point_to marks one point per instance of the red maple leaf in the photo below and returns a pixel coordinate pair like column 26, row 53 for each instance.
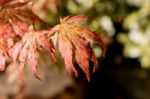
column 16, row 20
column 26, row 50
column 73, row 41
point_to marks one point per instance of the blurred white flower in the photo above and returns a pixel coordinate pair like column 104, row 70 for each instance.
column 138, row 37
column 85, row 3
column 107, row 25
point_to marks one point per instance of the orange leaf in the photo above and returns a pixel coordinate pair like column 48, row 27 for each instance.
column 72, row 35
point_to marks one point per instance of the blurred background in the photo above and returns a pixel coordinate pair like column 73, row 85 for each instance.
column 124, row 26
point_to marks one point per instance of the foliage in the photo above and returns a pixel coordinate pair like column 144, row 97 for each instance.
column 21, row 40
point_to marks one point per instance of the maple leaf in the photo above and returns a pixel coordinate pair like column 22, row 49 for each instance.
column 73, row 40
column 17, row 22
column 26, row 50
column 19, row 17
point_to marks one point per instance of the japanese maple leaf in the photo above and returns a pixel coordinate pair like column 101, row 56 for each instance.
column 26, row 50
column 17, row 14
column 17, row 21
column 73, row 40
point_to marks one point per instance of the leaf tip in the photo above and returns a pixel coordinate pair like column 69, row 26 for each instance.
column 37, row 76
column 88, row 78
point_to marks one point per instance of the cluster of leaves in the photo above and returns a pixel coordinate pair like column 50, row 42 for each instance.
column 21, row 41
